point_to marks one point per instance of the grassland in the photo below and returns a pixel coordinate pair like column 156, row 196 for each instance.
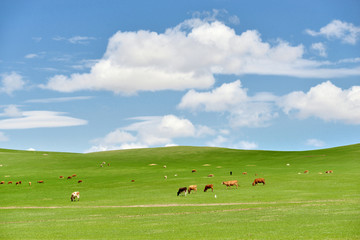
column 289, row 206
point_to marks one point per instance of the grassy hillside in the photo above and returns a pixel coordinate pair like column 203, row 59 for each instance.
column 292, row 205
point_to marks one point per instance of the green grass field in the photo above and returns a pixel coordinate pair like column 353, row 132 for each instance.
column 111, row 206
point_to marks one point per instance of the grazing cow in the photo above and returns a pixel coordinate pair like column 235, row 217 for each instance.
column 306, row 171
column 208, row 187
column 69, row 177
column 10, row 182
column 2, row 182
column 61, row 177
column 80, row 181
column 211, row 175
column 194, row 170
column 29, row 183
column 165, row 177
column 41, row 181
column 133, row 180
column 192, row 187
column 75, row 195
column 244, row 173
column 230, row 173
column 74, row 175
column 329, row 171
column 182, row 190
column 258, row 180
column 19, row 182
column 231, row 183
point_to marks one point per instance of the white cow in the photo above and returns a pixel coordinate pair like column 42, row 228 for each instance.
column 75, row 195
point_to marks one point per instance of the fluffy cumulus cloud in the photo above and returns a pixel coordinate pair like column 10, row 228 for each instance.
column 186, row 57
column 150, row 132
column 11, row 82
column 325, row 101
column 320, row 48
column 233, row 99
column 16, row 119
column 346, row 32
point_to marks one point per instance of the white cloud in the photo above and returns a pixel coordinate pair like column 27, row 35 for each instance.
column 315, row 142
column 62, row 99
column 150, row 132
column 40, row 119
column 346, row 32
column 3, row 137
column 233, row 99
column 31, row 55
column 221, row 141
column 11, row 82
column 320, row 48
column 187, row 57
column 11, row 111
column 247, row 145
column 325, row 101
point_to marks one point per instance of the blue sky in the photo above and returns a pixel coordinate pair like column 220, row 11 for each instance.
column 84, row 76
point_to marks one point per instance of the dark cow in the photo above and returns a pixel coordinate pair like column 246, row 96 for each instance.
column 80, row 181
column 41, row 181
column 208, row 187
column 2, row 182
column 69, row 177
column 182, row 190
column 329, row 171
column 258, row 180
column 194, row 170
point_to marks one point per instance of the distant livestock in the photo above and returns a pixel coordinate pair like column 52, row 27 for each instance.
column 231, row 183
column 10, row 182
column 258, row 180
column 192, row 188
column 41, row 181
column 244, row 173
column 133, row 180
column 164, row 166
column 29, row 183
column 80, row 181
column 211, row 175
column 306, row 171
column 19, row 182
column 2, row 182
column 182, row 190
column 74, row 175
column 329, row 171
column 61, row 177
column 75, row 195
column 208, row 187
column 194, row 170
column 165, row 177
column 69, row 177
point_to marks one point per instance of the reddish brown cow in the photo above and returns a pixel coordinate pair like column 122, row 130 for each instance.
column 2, row 182
column 231, row 183
column 192, row 187
column 329, row 171
column 61, row 177
column 194, row 170
column 41, row 181
column 74, row 175
column 208, row 187
column 244, row 173
column 69, row 177
column 19, row 182
column 80, row 181
column 306, row 171
column 10, row 182
column 258, row 180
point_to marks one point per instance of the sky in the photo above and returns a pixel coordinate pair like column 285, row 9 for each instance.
column 86, row 76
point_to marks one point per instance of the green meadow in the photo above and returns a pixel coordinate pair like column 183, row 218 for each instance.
column 292, row 204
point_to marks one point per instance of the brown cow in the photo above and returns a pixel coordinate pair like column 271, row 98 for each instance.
column 75, row 195
column 194, row 170
column 69, row 177
column 182, row 190
column 29, row 183
column 2, row 182
column 74, row 175
column 258, row 180
column 306, row 171
column 41, row 181
column 244, row 173
column 192, row 187
column 329, row 171
column 10, row 182
column 80, row 181
column 19, row 182
column 211, row 175
column 231, row 183
column 208, row 187
column 61, row 177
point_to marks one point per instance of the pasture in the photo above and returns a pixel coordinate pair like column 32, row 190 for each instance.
column 292, row 204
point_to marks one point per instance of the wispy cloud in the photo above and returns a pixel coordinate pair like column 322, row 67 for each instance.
column 320, row 48
column 346, row 32
column 62, row 99
column 315, row 142
column 75, row 39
